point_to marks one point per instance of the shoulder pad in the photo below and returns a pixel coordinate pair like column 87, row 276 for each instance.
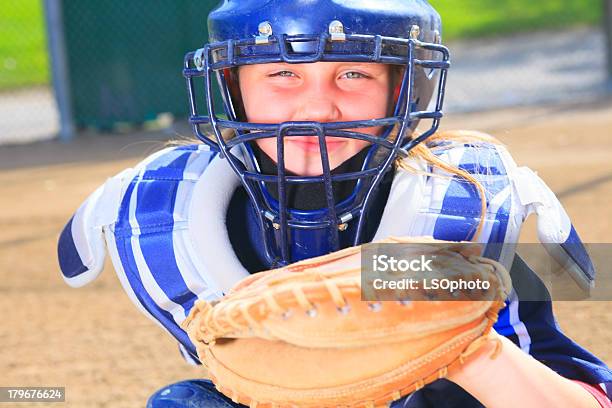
column 81, row 245
column 451, row 207
column 480, row 158
column 555, row 230
column 490, row 163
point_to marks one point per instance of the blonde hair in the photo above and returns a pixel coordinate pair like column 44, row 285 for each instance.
column 424, row 152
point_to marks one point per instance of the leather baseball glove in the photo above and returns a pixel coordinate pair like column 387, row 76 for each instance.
column 302, row 336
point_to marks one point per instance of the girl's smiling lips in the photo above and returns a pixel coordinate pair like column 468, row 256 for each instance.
column 311, row 143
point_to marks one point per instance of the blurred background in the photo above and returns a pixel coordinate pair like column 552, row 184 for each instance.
column 89, row 88
column 69, row 66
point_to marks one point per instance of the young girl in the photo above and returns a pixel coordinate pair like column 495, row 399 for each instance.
column 318, row 150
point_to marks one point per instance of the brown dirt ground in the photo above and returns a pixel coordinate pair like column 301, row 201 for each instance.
column 94, row 342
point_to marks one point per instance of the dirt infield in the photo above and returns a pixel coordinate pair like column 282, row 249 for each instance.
column 94, row 342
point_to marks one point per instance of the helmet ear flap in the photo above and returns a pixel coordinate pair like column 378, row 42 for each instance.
column 227, row 73
column 397, row 75
column 396, row 93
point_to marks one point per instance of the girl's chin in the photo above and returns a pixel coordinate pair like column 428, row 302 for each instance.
column 313, row 167
column 309, row 172
column 303, row 157
column 308, row 169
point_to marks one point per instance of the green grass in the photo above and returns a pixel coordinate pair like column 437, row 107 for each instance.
column 23, row 49
column 476, row 18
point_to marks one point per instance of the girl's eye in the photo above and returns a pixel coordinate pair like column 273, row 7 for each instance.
column 354, row 75
column 283, row 74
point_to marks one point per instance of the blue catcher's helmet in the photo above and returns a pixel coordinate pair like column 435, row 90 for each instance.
column 400, row 32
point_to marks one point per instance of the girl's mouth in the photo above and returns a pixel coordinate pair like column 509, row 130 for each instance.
column 310, row 144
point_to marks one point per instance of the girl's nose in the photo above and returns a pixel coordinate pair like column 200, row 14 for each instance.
column 318, row 104
column 318, row 110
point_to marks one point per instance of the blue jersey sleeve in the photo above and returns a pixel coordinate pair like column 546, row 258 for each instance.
column 532, row 326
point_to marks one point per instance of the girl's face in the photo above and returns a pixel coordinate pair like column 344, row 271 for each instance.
column 321, row 92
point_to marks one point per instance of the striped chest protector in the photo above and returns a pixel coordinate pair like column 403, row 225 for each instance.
column 163, row 224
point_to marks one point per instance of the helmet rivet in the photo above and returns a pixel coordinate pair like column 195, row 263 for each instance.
column 415, row 31
column 265, row 28
column 198, row 59
column 336, row 31
column 265, row 31
column 437, row 37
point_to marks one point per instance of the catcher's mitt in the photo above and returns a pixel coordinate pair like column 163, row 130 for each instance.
column 302, row 336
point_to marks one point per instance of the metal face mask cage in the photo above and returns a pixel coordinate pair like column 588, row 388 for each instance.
column 275, row 218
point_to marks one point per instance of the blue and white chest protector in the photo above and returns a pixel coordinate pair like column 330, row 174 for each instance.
column 163, row 224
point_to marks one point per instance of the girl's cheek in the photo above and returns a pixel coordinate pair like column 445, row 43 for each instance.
column 370, row 110
column 271, row 106
column 364, row 106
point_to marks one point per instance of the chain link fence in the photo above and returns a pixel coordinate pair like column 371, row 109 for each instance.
column 115, row 64
column 27, row 107
column 563, row 66
column 124, row 65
